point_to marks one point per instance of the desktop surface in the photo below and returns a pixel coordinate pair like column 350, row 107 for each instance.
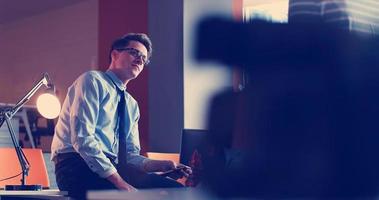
column 42, row 194
column 148, row 194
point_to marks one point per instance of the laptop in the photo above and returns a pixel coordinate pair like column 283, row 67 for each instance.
column 192, row 139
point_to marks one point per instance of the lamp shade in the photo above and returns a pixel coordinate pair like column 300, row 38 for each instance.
column 48, row 105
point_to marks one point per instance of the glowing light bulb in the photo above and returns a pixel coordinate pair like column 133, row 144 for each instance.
column 48, row 105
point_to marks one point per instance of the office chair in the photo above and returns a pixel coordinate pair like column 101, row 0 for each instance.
column 10, row 166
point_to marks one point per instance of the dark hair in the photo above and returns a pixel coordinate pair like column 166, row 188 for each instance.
column 124, row 41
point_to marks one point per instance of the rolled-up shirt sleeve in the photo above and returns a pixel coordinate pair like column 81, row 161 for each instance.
column 83, row 119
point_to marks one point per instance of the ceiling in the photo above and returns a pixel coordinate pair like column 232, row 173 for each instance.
column 13, row 10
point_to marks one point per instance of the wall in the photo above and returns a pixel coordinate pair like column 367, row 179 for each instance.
column 116, row 18
column 201, row 80
column 60, row 42
column 179, row 87
column 259, row 2
column 166, row 75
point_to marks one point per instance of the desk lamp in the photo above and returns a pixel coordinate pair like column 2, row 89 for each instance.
column 48, row 106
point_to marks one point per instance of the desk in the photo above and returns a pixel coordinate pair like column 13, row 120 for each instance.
column 43, row 194
column 149, row 194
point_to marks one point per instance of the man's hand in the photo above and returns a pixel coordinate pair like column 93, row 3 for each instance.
column 159, row 165
column 117, row 180
column 179, row 172
column 168, row 168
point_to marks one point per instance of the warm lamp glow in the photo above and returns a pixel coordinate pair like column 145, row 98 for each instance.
column 48, row 105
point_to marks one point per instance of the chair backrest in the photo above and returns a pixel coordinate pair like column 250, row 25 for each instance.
column 10, row 166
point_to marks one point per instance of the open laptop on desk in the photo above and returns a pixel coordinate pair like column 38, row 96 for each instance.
column 192, row 139
column 190, row 153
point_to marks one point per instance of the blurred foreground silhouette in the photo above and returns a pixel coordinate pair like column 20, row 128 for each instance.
column 306, row 124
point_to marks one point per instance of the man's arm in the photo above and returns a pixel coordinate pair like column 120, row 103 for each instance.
column 120, row 183
column 84, row 113
column 168, row 167
column 143, row 163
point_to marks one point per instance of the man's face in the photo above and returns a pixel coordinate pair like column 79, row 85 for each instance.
column 130, row 60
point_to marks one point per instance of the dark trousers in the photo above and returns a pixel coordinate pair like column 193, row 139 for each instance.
column 74, row 176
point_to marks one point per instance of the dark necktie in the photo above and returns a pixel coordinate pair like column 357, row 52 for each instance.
column 121, row 130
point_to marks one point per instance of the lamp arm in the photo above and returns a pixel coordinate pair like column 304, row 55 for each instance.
column 24, row 163
column 6, row 115
column 45, row 80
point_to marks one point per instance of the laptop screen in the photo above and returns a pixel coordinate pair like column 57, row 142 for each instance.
column 192, row 139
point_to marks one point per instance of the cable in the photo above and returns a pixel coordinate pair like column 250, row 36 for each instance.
column 11, row 177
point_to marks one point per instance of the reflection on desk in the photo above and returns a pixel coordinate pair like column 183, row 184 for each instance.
column 148, row 194
column 43, row 194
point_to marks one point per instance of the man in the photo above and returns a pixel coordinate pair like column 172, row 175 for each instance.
column 86, row 145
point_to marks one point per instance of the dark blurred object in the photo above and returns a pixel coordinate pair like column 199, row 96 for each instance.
column 309, row 116
column 225, row 155
column 260, row 44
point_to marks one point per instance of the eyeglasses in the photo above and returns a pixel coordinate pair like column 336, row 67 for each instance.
column 136, row 54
